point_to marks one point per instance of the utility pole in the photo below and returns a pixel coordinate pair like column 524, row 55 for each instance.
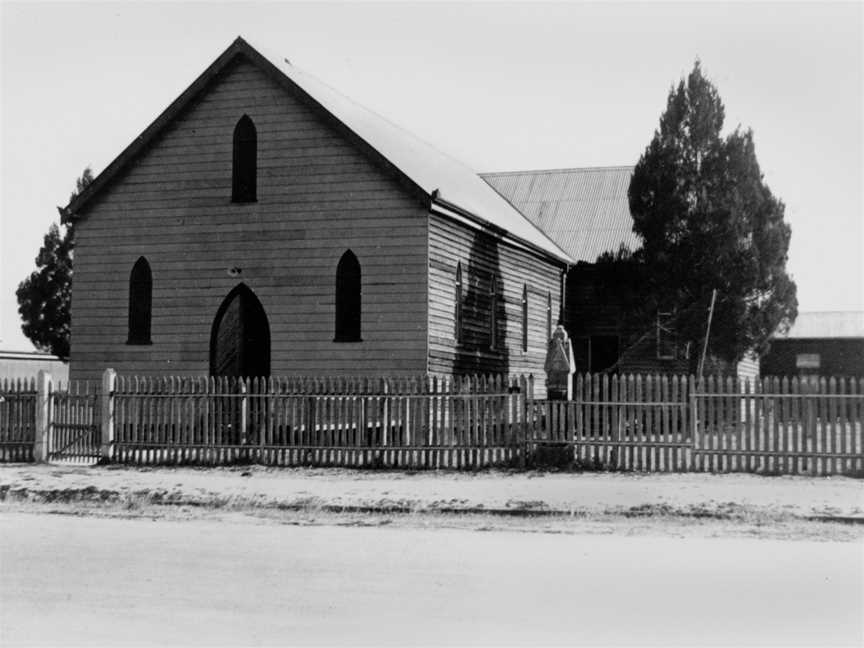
column 707, row 332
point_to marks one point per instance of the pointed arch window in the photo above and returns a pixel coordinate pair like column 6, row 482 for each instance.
column 458, row 299
column 524, row 317
column 245, row 174
column 493, row 312
column 348, row 299
column 140, row 302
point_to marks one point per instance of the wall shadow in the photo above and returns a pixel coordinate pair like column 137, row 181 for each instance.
column 483, row 350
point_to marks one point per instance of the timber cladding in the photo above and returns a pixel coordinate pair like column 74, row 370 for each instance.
column 317, row 196
column 481, row 256
column 839, row 356
column 595, row 319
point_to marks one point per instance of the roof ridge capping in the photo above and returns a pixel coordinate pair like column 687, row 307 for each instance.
column 422, row 167
column 615, row 167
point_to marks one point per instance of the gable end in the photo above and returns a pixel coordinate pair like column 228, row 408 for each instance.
column 239, row 49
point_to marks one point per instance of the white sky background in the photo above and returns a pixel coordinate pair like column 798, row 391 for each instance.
column 499, row 86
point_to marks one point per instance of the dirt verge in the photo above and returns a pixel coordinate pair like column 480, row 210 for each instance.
column 559, row 499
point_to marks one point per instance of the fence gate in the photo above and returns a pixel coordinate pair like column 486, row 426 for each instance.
column 74, row 432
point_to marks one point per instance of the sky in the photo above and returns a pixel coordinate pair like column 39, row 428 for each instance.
column 500, row 86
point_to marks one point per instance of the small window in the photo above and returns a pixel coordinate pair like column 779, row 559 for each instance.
column 458, row 299
column 348, row 299
column 665, row 337
column 245, row 173
column 493, row 312
column 549, row 315
column 524, row 317
column 140, row 302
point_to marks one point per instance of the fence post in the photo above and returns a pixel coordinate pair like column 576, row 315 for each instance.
column 109, row 384
column 695, row 459
column 244, row 410
column 40, row 435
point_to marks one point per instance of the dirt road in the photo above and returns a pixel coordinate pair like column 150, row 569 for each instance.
column 83, row 580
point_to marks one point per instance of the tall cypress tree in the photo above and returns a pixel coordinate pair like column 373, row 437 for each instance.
column 44, row 297
column 708, row 221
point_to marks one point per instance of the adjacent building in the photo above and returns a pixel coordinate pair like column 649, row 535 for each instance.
column 27, row 364
column 821, row 344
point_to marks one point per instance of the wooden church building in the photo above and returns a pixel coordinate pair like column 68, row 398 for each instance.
column 264, row 224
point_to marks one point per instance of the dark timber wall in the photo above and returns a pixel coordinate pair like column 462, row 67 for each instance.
column 837, row 357
column 317, row 196
column 594, row 316
column 595, row 322
column 481, row 255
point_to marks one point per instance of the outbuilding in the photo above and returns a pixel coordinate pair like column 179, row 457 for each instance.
column 825, row 344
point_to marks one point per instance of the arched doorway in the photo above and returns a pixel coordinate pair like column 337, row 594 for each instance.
column 240, row 338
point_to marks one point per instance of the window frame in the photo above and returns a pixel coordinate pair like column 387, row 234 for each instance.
column 670, row 341
column 493, row 312
column 244, row 172
column 459, row 314
column 524, row 317
column 140, row 307
column 348, row 310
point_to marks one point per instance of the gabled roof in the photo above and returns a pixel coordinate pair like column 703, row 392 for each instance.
column 442, row 181
column 585, row 211
column 826, row 324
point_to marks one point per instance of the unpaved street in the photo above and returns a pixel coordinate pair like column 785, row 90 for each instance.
column 84, row 580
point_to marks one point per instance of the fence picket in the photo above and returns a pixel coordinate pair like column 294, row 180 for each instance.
column 856, row 440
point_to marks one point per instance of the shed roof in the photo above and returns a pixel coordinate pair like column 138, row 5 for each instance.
column 585, row 211
column 442, row 179
column 826, row 324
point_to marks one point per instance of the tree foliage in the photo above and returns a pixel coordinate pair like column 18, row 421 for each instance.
column 707, row 221
column 44, row 297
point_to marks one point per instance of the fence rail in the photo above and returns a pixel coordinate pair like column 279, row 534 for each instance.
column 632, row 422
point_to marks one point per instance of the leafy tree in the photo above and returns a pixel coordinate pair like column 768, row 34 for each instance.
column 708, row 221
column 45, row 296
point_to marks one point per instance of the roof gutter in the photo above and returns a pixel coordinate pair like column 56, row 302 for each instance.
column 454, row 212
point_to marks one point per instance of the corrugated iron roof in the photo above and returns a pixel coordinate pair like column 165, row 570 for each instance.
column 827, row 324
column 585, row 211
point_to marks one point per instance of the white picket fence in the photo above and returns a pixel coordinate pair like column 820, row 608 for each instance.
column 635, row 422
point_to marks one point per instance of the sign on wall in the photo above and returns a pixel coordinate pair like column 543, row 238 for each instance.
column 807, row 361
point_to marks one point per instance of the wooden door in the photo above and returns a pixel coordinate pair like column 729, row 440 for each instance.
column 240, row 339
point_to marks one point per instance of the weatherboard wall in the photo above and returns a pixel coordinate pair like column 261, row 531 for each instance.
column 318, row 196
column 481, row 255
